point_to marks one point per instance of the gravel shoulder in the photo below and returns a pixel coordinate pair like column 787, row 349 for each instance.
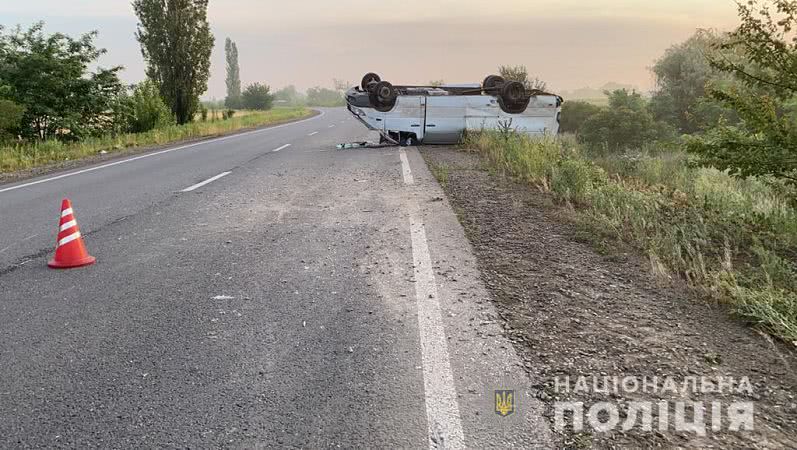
column 576, row 312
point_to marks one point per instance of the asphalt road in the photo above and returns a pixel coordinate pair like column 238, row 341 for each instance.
column 309, row 297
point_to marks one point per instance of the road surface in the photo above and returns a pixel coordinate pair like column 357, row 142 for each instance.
column 257, row 290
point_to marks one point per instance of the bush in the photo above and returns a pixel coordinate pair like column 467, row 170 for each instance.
column 257, row 96
column 625, row 124
column 575, row 114
column 10, row 118
column 147, row 109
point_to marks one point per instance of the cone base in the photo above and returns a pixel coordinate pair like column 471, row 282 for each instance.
column 87, row 261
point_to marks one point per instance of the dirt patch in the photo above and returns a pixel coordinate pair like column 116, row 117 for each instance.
column 114, row 154
column 575, row 312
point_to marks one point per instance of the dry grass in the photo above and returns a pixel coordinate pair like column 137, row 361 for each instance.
column 735, row 239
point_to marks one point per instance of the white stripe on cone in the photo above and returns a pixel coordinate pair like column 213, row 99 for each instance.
column 66, row 212
column 68, row 225
column 68, row 239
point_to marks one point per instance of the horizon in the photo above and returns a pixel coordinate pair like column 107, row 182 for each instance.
column 309, row 45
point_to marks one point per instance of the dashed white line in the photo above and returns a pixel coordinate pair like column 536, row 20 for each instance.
column 313, row 133
column 209, row 180
column 149, row 155
column 442, row 409
column 332, row 126
column 405, row 166
column 281, row 148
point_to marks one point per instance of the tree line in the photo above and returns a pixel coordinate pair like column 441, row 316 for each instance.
column 730, row 98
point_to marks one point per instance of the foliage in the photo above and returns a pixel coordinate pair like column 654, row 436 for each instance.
column 681, row 78
column 318, row 96
column 147, row 109
column 574, row 114
column 765, row 142
column 257, row 96
column 521, row 74
column 289, row 96
column 10, row 118
column 26, row 155
column 625, row 124
column 176, row 43
column 233, row 99
column 734, row 239
column 48, row 76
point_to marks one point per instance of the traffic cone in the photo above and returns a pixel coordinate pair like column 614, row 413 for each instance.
column 69, row 250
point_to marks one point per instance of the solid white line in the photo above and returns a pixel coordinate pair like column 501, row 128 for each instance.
column 68, row 225
column 281, row 148
column 405, row 166
column 66, row 212
column 149, row 155
column 442, row 409
column 69, row 238
column 313, row 133
column 209, row 180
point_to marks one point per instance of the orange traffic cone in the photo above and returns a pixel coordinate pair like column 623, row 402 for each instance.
column 69, row 250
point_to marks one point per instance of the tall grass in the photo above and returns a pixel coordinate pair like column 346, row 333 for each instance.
column 15, row 157
column 735, row 239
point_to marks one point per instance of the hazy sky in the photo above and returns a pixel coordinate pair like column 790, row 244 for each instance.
column 568, row 43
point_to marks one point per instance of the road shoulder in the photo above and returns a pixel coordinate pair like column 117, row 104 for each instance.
column 573, row 312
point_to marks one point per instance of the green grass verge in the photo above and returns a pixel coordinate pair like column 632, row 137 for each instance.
column 735, row 239
column 23, row 156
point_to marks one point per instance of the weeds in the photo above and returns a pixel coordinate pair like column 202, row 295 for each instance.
column 17, row 157
column 735, row 239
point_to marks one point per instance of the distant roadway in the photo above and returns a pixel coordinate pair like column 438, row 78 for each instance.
column 258, row 290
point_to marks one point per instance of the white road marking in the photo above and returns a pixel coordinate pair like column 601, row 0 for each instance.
column 313, row 133
column 281, row 148
column 442, row 409
column 161, row 152
column 209, row 180
column 405, row 166
column 332, row 126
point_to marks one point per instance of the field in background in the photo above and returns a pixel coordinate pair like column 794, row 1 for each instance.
column 733, row 239
column 29, row 155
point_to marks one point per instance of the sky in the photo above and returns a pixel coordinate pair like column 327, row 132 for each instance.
column 568, row 43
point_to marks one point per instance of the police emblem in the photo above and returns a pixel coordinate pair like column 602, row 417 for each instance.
column 504, row 402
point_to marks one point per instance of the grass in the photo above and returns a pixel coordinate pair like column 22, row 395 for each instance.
column 23, row 156
column 734, row 239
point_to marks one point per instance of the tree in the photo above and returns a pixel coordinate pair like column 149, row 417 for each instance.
column 625, row 124
column 521, row 74
column 682, row 74
column 233, row 99
column 176, row 44
column 319, row 96
column 765, row 140
column 48, row 76
column 341, row 85
column 257, row 96
column 574, row 114
column 289, row 95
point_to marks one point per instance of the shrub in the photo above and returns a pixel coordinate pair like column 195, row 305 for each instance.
column 574, row 114
column 147, row 109
column 625, row 124
column 257, row 96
